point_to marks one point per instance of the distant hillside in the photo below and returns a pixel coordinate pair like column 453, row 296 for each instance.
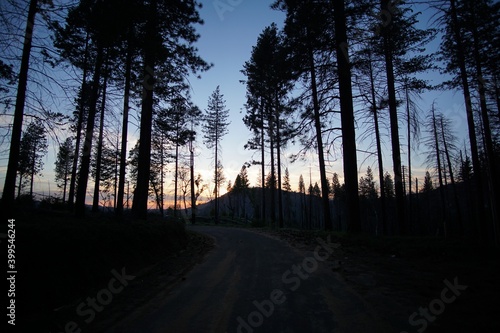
column 424, row 211
column 247, row 206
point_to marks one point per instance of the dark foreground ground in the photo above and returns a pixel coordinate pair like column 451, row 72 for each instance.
column 157, row 278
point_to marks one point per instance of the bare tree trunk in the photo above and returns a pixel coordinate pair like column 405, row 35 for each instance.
column 140, row 201
column 309, row 222
column 32, row 172
column 95, row 203
column 115, row 185
column 440, row 174
column 393, row 114
column 191, row 171
column 347, row 120
column 319, row 140
column 497, row 95
column 9, row 188
column 278, row 155
column 162, row 172
column 79, row 126
column 123, row 150
column 490, row 152
column 452, row 179
column 379, row 148
column 273, row 171
column 263, row 166
column 216, row 176
column 410, row 215
column 482, row 227
column 176, row 177
column 66, row 173
column 87, row 145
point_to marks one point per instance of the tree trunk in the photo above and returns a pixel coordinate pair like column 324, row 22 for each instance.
column 176, row 178
column 452, row 179
column 216, row 176
column 97, row 184
column 497, row 95
column 440, row 174
column 482, row 226
column 115, row 185
column 309, row 222
column 79, row 126
column 319, row 140
column 410, row 215
column 66, row 173
column 17, row 126
column 273, row 170
column 87, row 145
column 162, row 173
column 347, row 121
column 379, row 150
column 490, row 152
column 263, row 166
column 123, row 150
column 140, row 201
column 191, row 171
column 32, row 171
column 393, row 114
column 278, row 155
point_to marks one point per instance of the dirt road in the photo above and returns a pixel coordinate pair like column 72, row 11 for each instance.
column 253, row 283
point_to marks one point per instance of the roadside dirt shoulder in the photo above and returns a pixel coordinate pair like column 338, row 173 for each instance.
column 402, row 284
column 150, row 285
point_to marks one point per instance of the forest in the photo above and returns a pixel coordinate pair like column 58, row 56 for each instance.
column 334, row 74
column 134, row 237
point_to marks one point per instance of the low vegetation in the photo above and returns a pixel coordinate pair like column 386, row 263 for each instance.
column 63, row 260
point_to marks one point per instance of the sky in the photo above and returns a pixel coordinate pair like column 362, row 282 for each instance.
column 231, row 28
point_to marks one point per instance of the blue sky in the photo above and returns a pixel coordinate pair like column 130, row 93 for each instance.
column 231, row 29
column 226, row 40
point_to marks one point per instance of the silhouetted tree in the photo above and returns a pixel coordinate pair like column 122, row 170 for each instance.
column 107, row 174
column 308, row 27
column 465, row 168
column 302, row 191
column 17, row 125
column 434, row 158
column 168, row 57
column 367, row 185
column 388, row 186
column 268, row 83
column 214, row 129
column 401, row 43
column 175, row 124
column 428, row 186
column 33, row 148
column 469, row 49
column 100, row 140
column 63, row 163
column 240, row 189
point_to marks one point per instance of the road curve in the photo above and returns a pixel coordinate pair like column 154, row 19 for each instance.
column 253, row 283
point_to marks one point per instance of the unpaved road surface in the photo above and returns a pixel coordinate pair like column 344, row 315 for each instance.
column 250, row 282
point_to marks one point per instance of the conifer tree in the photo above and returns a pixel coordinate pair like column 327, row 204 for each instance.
column 214, row 129
column 64, row 162
column 32, row 150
